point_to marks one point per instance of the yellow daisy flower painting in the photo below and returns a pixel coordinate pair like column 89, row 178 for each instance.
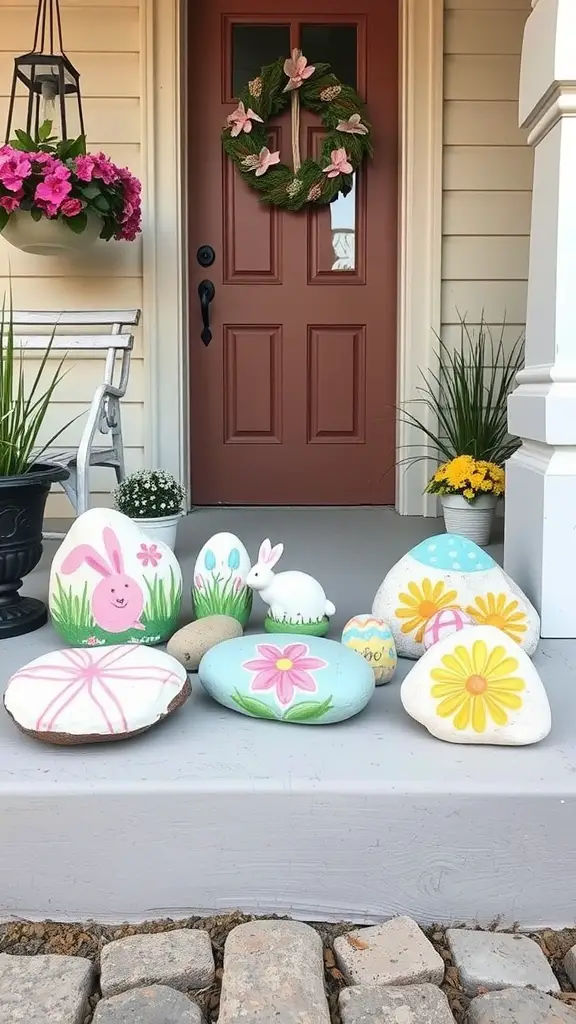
column 477, row 685
column 422, row 602
column 497, row 610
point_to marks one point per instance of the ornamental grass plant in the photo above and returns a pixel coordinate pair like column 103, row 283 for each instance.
column 467, row 398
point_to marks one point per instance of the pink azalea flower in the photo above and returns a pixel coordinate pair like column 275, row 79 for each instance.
column 104, row 169
column 297, row 70
column 11, row 203
column 240, row 120
column 14, row 168
column 71, row 207
column 84, row 167
column 353, row 126
column 260, row 164
column 284, row 670
column 149, row 555
column 340, row 164
column 53, row 190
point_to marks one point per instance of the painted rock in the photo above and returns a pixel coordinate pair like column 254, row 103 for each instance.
column 110, row 585
column 449, row 571
column 190, row 644
column 89, row 695
column 478, row 686
column 220, row 572
column 443, row 624
column 373, row 639
column 308, row 680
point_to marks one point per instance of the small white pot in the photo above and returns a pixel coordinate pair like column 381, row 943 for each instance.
column 49, row 237
column 163, row 529
column 471, row 519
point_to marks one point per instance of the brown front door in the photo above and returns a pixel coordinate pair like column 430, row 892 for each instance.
column 292, row 402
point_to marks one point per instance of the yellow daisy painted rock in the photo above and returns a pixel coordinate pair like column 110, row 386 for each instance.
column 478, row 686
column 448, row 572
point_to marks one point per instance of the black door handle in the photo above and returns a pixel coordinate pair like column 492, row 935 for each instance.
column 206, row 291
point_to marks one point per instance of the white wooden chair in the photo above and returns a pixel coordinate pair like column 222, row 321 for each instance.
column 104, row 416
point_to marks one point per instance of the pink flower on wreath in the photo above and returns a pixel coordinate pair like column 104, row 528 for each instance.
column 72, row 207
column 14, row 168
column 353, row 126
column 240, row 120
column 284, row 670
column 53, row 190
column 149, row 555
column 260, row 164
column 340, row 164
column 298, row 70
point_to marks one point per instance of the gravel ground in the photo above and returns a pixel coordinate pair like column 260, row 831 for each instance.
column 87, row 940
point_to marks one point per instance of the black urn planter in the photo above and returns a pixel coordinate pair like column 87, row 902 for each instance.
column 22, row 504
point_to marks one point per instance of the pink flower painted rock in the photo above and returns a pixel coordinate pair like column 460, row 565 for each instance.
column 443, row 624
column 88, row 696
column 110, row 585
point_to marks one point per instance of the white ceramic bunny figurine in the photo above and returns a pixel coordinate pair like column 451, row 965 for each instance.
column 294, row 598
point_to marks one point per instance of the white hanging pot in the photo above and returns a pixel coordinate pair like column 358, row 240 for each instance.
column 470, row 519
column 49, row 236
column 163, row 529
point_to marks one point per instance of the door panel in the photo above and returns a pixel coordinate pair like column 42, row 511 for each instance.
column 293, row 400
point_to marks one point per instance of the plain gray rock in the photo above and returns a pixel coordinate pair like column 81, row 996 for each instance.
column 519, row 1006
column 570, row 965
column 155, row 1004
column 495, row 960
column 409, row 1004
column 44, row 989
column 182, row 959
column 273, row 971
column 192, row 642
column 395, row 953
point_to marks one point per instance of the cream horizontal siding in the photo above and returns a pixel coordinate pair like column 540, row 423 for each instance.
column 103, row 41
column 487, row 167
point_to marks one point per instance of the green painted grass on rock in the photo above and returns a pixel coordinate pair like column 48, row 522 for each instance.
column 72, row 615
column 219, row 596
column 312, row 627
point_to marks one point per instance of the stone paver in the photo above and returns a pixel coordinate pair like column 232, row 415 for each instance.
column 44, row 989
column 519, row 1006
column 395, row 953
column 181, row 959
column 493, row 960
column 155, row 1004
column 408, row 1004
column 570, row 965
column 273, row 971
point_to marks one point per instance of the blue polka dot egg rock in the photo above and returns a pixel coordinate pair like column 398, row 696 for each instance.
column 374, row 640
column 450, row 571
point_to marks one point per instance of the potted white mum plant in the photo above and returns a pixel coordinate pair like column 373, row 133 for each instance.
column 155, row 501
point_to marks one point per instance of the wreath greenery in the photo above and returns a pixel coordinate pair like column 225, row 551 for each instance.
column 348, row 134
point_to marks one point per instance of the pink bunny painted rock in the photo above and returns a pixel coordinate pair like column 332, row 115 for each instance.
column 109, row 584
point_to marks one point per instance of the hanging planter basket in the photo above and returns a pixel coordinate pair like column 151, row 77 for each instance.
column 49, row 236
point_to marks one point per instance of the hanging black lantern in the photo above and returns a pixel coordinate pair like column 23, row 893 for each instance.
column 49, row 77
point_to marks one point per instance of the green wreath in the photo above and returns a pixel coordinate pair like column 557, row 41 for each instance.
column 347, row 142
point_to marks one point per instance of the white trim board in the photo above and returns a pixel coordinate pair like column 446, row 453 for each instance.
column 165, row 251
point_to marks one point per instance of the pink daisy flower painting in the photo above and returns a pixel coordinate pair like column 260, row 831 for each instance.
column 284, row 670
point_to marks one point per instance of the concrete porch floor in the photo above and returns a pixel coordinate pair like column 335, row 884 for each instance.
column 213, row 811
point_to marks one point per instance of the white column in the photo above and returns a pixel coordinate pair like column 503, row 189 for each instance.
column 540, row 536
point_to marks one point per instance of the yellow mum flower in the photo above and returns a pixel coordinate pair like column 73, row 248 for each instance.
column 421, row 603
column 469, row 493
column 497, row 610
column 477, row 685
column 486, row 485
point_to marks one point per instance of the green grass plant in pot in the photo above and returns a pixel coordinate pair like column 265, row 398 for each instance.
column 466, row 427
column 25, row 479
column 155, row 501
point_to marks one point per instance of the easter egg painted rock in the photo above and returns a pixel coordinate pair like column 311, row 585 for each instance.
column 449, row 571
column 308, row 680
column 109, row 584
column 373, row 639
column 478, row 686
column 443, row 624
column 220, row 572
column 90, row 695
